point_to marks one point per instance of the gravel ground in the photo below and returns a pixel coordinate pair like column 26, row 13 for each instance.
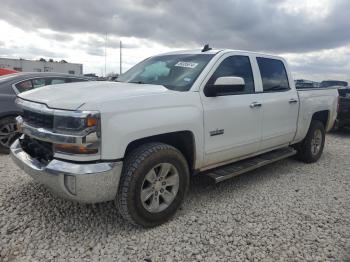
column 287, row 211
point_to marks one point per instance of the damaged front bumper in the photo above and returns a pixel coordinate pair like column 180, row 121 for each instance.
column 81, row 182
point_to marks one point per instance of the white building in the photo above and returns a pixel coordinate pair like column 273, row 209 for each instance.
column 23, row 65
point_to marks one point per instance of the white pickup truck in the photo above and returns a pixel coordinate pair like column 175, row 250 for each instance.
column 137, row 141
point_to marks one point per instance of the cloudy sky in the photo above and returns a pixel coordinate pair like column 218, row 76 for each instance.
column 313, row 35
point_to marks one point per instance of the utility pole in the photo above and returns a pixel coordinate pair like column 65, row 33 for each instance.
column 120, row 58
column 106, row 56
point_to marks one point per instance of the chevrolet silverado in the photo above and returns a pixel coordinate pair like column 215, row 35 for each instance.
column 138, row 141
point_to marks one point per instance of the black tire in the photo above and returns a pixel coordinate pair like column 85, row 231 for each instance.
column 136, row 165
column 306, row 149
column 6, row 124
column 337, row 126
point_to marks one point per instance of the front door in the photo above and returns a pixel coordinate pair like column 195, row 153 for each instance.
column 232, row 122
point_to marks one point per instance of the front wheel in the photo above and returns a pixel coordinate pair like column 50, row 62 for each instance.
column 153, row 184
column 311, row 148
column 8, row 133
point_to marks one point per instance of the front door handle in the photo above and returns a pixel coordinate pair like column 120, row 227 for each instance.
column 293, row 101
column 255, row 104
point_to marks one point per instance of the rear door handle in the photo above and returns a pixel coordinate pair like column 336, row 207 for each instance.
column 255, row 104
column 293, row 101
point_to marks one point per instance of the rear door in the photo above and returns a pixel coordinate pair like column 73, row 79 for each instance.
column 279, row 104
column 232, row 125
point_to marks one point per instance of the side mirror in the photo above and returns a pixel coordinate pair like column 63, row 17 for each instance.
column 225, row 85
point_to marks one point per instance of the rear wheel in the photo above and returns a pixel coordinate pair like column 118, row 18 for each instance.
column 311, row 148
column 153, row 184
column 8, row 133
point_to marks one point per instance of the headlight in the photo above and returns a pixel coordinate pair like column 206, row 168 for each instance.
column 77, row 122
column 86, row 124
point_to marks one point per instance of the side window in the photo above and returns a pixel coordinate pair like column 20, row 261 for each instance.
column 273, row 74
column 55, row 81
column 236, row 66
column 24, row 86
column 38, row 82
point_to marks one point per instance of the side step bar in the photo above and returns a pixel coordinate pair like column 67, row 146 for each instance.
column 228, row 171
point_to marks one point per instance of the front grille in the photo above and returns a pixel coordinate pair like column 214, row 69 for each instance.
column 37, row 149
column 38, row 119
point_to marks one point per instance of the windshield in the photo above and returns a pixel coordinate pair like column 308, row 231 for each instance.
column 175, row 72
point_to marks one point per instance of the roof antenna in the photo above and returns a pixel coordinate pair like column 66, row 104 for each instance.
column 206, row 48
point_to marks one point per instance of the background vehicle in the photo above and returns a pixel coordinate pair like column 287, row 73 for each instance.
column 330, row 83
column 137, row 141
column 13, row 84
column 343, row 117
column 5, row 71
column 304, row 85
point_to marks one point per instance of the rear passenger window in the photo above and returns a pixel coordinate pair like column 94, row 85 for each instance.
column 24, row 86
column 236, row 66
column 38, row 82
column 73, row 80
column 273, row 74
column 56, row 81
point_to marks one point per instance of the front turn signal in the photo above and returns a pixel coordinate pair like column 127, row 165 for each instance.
column 74, row 149
column 91, row 121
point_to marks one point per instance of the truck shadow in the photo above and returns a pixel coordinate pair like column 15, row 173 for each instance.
column 344, row 132
column 202, row 186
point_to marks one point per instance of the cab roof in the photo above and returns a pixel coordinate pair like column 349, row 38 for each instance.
column 222, row 51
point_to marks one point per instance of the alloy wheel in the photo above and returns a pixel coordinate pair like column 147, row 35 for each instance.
column 316, row 142
column 8, row 134
column 160, row 187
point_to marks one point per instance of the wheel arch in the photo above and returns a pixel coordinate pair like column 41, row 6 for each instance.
column 322, row 116
column 184, row 141
column 9, row 114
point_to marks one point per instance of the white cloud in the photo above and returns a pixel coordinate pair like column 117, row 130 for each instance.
column 312, row 9
column 32, row 45
column 321, row 65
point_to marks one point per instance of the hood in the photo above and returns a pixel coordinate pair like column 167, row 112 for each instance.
column 74, row 95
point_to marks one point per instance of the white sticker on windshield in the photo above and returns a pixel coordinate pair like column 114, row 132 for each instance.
column 186, row 64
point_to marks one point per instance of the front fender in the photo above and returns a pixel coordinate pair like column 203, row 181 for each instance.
column 119, row 130
column 8, row 106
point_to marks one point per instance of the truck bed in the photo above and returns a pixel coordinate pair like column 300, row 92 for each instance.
column 315, row 100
